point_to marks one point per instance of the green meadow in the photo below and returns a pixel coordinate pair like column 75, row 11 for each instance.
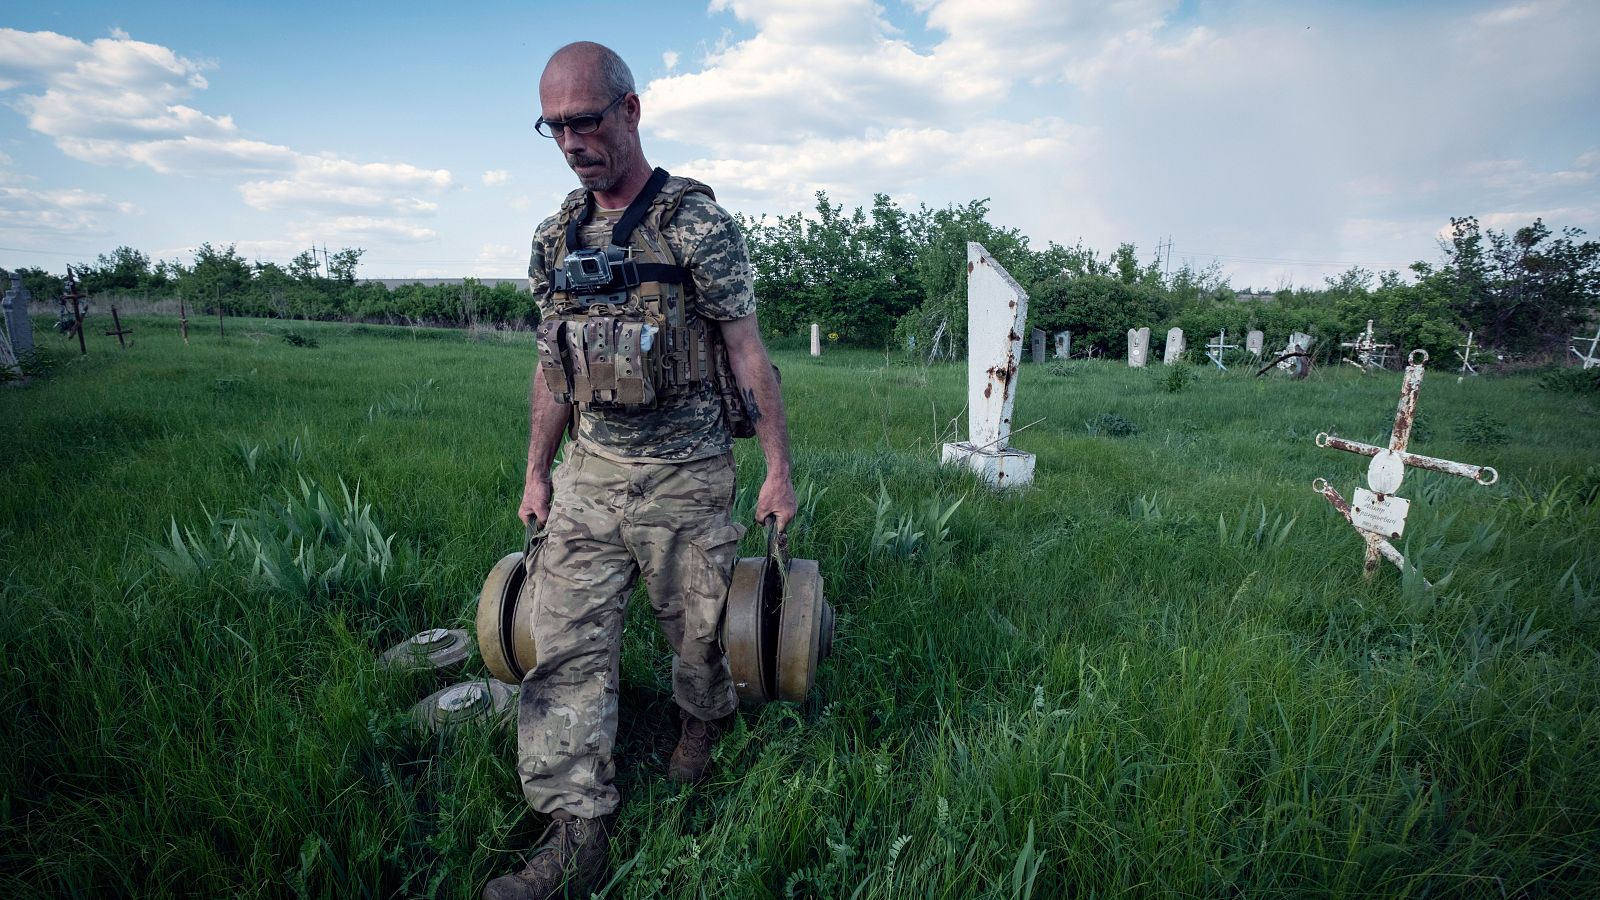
column 1156, row 672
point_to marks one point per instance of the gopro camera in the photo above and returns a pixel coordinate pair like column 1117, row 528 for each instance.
column 590, row 271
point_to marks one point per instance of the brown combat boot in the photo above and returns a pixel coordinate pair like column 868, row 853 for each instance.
column 692, row 757
column 569, row 862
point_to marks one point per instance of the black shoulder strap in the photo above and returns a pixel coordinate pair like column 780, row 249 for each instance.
column 634, row 214
column 575, row 224
column 631, row 217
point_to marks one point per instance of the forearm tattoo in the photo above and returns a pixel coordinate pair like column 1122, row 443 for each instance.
column 751, row 407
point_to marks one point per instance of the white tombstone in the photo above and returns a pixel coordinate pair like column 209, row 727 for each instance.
column 1063, row 344
column 1299, row 342
column 1138, row 347
column 816, row 339
column 17, row 324
column 997, row 307
column 1038, row 345
column 1175, row 346
column 1254, row 341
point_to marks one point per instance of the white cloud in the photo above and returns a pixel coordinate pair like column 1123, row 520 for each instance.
column 1513, row 12
column 669, row 60
column 117, row 101
column 499, row 258
column 784, row 175
column 353, row 230
column 496, row 177
column 71, row 211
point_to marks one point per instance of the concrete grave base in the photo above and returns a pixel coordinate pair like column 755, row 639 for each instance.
column 999, row 469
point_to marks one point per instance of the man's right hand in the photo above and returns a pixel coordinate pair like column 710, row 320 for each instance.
column 536, row 500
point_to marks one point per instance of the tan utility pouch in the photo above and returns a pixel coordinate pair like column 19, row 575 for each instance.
column 602, row 360
column 554, row 358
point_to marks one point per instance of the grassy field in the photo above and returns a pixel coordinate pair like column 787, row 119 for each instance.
column 1156, row 672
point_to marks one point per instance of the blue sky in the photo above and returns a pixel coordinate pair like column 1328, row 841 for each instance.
column 1283, row 141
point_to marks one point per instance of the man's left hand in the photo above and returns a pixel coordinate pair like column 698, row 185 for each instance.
column 776, row 499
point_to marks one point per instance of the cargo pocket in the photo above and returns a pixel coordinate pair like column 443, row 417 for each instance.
column 706, row 586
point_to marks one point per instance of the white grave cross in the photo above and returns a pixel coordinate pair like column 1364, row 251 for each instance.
column 1219, row 346
column 1368, row 355
column 1590, row 359
column 1467, row 368
column 1377, row 514
column 997, row 307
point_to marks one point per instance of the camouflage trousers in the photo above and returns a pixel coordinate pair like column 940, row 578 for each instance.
column 610, row 523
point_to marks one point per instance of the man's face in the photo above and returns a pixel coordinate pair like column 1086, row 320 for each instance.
column 597, row 158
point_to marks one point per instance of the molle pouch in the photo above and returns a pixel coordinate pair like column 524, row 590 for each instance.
column 635, row 384
column 575, row 333
column 554, row 359
column 599, row 341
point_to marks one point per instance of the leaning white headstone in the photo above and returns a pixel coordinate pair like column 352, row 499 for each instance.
column 816, row 339
column 997, row 307
column 1175, row 346
column 1254, row 341
column 1038, row 345
column 1063, row 344
column 16, row 322
column 1138, row 347
column 1299, row 366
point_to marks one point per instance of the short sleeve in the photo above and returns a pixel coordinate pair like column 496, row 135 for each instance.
column 716, row 258
column 539, row 266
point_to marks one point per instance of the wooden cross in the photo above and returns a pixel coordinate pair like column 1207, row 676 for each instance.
column 1378, row 515
column 1467, row 368
column 1217, row 347
column 120, row 330
column 1590, row 359
column 71, row 293
column 1366, row 346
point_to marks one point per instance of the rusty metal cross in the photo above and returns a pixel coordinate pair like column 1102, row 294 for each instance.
column 1378, row 515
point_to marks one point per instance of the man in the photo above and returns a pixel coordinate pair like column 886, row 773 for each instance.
column 646, row 298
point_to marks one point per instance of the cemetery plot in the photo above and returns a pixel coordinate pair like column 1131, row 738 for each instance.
column 1162, row 635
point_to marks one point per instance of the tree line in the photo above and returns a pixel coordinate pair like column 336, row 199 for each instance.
column 886, row 276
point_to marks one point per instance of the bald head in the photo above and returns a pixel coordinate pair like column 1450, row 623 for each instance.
column 590, row 63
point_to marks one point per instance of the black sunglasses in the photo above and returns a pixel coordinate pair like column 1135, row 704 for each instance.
column 581, row 124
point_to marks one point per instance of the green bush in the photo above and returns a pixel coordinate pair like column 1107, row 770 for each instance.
column 1482, row 429
column 1571, row 381
column 1111, row 425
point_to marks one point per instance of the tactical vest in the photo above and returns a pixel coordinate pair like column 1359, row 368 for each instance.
column 624, row 332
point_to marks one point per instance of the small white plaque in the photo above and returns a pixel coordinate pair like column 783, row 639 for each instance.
column 1386, row 517
column 1385, row 472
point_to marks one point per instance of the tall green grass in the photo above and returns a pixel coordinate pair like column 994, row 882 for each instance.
column 1158, row 671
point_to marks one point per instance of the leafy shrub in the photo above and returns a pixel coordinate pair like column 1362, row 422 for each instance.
column 911, row 532
column 310, row 544
column 1176, row 378
column 1111, row 425
column 1481, row 429
column 1571, row 381
column 296, row 339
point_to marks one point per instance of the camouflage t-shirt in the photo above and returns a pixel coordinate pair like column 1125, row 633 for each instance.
column 704, row 238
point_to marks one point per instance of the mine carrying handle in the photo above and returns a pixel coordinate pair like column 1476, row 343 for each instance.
column 777, row 544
